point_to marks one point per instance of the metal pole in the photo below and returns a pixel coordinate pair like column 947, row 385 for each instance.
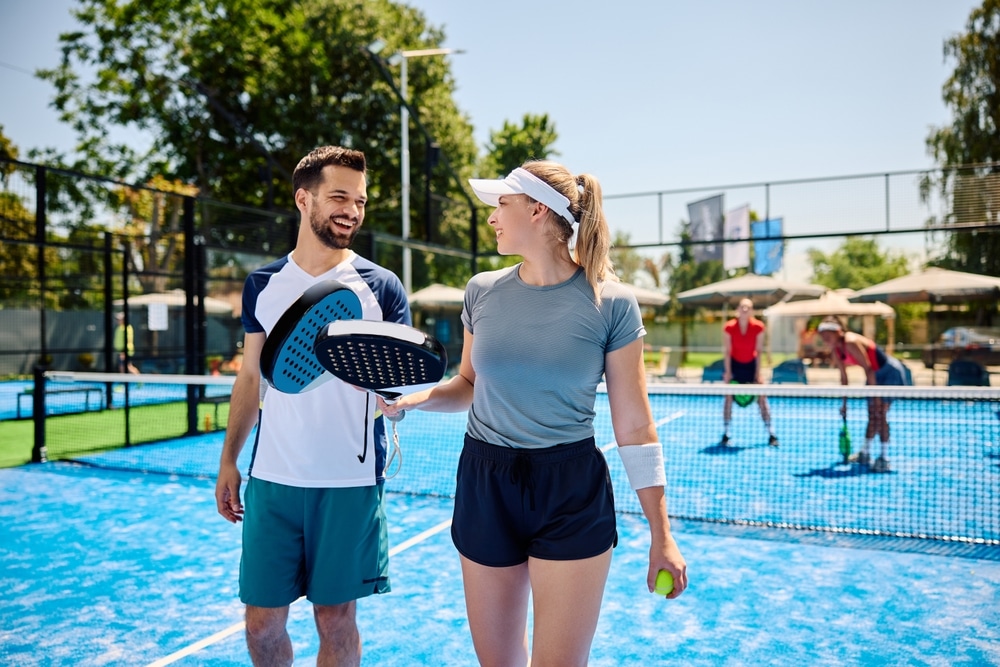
column 404, row 115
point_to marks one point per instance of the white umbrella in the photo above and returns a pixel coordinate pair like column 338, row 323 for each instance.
column 177, row 298
column 442, row 295
column 933, row 285
column 762, row 290
column 438, row 295
column 648, row 297
column 834, row 302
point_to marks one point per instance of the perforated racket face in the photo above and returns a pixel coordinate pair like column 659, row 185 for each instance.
column 291, row 365
column 381, row 363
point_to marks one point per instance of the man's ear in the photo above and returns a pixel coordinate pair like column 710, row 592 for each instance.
column 300, row 199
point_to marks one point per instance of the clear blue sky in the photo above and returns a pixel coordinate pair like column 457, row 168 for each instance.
column 652, row 94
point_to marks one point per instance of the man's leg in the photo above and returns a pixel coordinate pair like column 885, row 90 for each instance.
column 267, row 637
column 339, row 639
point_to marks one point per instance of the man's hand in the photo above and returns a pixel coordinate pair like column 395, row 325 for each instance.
column 227, row 493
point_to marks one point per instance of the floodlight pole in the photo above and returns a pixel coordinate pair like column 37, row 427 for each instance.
column 404, row 114
column 372, row 51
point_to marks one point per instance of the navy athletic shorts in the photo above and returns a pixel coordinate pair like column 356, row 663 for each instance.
column 744, row 372
column 554, row 503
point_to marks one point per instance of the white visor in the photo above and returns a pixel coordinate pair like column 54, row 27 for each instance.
column 828, row 326
column 522, row 182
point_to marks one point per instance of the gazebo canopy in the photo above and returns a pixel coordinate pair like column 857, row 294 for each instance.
column 176, row 298
column 762, row 290
column 438, row 295
column 834, row 302
column 933, row 285
column 444, row 296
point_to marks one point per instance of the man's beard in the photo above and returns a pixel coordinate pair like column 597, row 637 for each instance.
column 326, row 232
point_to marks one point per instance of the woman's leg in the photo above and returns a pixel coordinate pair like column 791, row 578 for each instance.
column 566, row 599
column 496, row 602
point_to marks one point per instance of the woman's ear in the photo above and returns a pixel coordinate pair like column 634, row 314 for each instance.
column 538, row 210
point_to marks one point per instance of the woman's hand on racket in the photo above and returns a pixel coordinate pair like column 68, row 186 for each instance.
column 394, row 409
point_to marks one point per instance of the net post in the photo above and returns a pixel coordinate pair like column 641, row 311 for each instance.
column 38, row 452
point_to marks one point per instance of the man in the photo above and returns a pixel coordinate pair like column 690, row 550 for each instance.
column 124, row 344
column 314, row 520
column 743, row 342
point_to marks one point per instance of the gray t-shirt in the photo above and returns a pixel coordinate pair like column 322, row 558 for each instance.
column 539, row 354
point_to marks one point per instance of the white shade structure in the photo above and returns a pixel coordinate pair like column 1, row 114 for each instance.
column 762, row 290
column 834, row 302
column 933, row 285
column 648, row 297
column 442, row 296
column 176, row 298
column 438, row 295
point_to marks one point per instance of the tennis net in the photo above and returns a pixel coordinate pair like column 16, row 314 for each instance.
column 943, row 480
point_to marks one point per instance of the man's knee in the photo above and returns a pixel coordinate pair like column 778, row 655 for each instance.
column 265, row 622
column 335, row 620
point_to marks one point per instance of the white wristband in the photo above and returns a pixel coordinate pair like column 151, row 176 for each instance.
column 643, row 465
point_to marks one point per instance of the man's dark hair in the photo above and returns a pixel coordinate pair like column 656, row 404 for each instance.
column 308, row 172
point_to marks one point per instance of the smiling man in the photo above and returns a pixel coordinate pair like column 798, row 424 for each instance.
column 314, row 519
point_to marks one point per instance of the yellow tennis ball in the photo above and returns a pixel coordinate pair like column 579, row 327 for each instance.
column 664, row 583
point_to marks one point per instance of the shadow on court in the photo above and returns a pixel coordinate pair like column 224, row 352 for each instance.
column 841, row 471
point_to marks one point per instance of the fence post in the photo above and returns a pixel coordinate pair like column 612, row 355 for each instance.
column 38, row 453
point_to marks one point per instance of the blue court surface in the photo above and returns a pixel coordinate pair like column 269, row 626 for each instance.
column 117, row 568
column 101, row 564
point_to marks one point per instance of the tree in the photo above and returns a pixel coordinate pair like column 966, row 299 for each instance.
column 856, row 264
column 859, row 263
column 229, row 94
column 685, row 273
column 16, row 224
column 972, row 93
column 509, row 148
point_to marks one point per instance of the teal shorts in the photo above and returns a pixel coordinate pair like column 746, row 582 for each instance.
column 330, row 545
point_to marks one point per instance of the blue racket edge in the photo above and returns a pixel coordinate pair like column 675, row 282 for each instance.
column 288, row 358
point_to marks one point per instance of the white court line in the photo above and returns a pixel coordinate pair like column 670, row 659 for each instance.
column 666, row 420
column 403, row 546
column 237, row 627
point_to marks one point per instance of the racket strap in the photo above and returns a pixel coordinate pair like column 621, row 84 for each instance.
column 395, row 452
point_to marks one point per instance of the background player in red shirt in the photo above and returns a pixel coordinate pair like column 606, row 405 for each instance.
column 743, row 341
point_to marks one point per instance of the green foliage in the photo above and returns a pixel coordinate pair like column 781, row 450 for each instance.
column 509, row 148
column 230, row 94
column 860, row 263
column 972, row 93
column 856, row 264
column 512, row 146
column 627, row 261
column 8, row 151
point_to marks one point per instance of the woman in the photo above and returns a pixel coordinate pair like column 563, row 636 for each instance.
column 534, row 509
column 849, row 348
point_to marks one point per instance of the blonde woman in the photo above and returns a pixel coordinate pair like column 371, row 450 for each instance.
column 534, row 508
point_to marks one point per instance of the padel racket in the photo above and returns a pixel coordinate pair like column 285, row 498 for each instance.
column 387, row 358
column 845, row 441
column 742, row 400
column 288, row 358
